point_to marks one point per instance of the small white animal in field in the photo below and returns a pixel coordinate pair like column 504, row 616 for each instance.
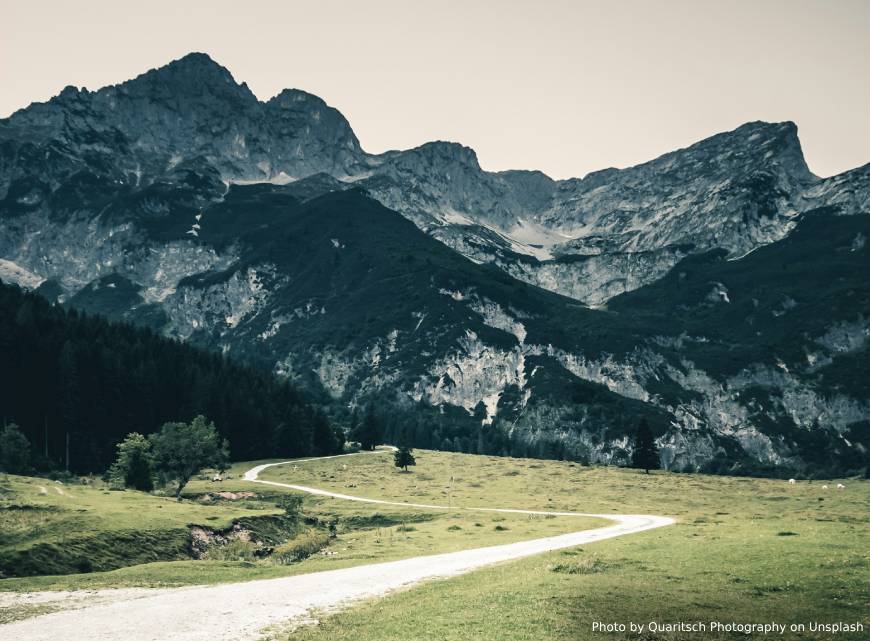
column 791, row 481
column 824, row 487
column 840, row 486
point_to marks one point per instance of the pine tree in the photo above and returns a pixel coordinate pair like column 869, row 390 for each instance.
column 368, row 433
column 404, row 457
column 646, row 454
column 325, row 437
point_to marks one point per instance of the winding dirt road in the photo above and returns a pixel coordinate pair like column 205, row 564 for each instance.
column 240, row 611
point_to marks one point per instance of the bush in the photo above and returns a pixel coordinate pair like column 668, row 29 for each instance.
column 303, row 546
column 292, row 506
column 14, row 450
column 84, row 566
column 133, row 466
column 236, row 550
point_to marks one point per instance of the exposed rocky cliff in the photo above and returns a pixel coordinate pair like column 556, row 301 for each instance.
column 731, row 281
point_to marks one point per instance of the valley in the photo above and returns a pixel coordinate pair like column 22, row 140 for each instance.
column 479, row 321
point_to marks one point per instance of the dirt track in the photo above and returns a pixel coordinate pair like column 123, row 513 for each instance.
column 239, row 611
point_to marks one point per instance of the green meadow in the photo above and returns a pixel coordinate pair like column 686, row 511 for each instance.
column 743, row 550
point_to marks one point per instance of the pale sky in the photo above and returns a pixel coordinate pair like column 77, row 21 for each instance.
column 566, row 87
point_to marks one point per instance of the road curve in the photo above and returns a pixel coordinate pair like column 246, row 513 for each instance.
column 241, row 610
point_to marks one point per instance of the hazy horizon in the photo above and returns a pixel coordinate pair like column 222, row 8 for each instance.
column 581, row 87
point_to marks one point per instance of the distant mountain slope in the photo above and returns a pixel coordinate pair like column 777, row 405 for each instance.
column 726, row 283
column 590, row 238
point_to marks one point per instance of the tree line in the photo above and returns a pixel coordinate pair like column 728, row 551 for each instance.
column 76, row 385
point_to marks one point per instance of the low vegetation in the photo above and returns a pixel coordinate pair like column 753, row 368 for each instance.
column 63, row 528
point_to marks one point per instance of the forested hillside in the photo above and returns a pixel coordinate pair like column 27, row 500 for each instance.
column 65, row 373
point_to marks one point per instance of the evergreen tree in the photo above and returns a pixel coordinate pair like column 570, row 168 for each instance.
column 368, row 432
column 14, row 450
column 180, row 450
column 133, row 467
column 326, row 439
column 646, row 454
column 404, row 457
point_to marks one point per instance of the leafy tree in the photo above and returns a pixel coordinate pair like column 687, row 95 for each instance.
column 369, row 432
column 133, row 467
column 14, row 450
column 181, row 450
column 404, row 457
column 646, row 454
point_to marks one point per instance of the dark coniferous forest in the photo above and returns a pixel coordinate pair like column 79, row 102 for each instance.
column 65, row 375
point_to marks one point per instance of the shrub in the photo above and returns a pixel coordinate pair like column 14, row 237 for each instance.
column 592, row 565
column 303, row 546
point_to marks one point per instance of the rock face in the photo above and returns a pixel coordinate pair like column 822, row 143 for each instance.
column 190, row 109
column 732, row 281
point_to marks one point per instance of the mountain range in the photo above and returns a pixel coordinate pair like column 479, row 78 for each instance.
column 719, row 291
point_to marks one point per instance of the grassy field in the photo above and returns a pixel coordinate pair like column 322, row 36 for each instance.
column 49, row 527
column 743, row 550
column 363, row 533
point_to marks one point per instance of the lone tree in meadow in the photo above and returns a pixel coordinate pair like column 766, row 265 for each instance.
column 646, row 454
column 404, row 457
column 14, row 450
column 133, row 467
column 180, row 451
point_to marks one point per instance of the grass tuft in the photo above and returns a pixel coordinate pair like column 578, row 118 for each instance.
column 592, row 565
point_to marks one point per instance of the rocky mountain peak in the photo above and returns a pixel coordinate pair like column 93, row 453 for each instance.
column 297, row 114
column 441, row 152
column 195, row 75
column 771, row 143
column 290, row 97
